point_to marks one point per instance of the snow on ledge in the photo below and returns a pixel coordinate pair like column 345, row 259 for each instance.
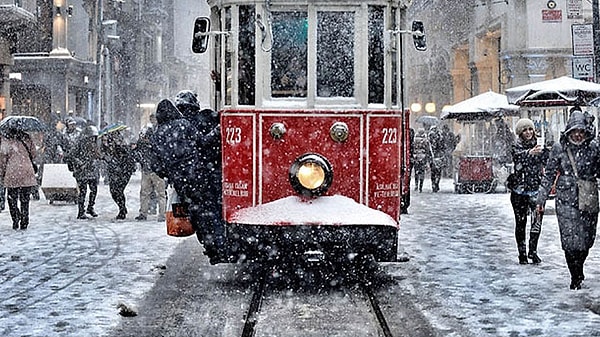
column 328, row 210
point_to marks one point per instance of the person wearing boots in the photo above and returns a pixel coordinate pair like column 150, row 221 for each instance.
column 420, row 157
column 120, row 165
column 529, row 159
column 151, row 184
column 576, row 158
column 17, row 174
column 83, row 160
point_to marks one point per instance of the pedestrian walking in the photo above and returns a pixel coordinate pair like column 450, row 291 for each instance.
column 151, row 184
column 437, row 149
column 421, row 157
column 120, row 165
column 529, row 160
column 17, row 174
column 70, row 134
column 83, row 160
column 576, row 159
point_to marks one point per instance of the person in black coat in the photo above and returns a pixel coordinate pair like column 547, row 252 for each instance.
column 529, row 159
column 83, row 160
column 120, row 165
column 180, row 158
column 576, row 158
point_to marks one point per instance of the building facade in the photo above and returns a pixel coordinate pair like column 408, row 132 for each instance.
column 479, row 45
column 101, row 60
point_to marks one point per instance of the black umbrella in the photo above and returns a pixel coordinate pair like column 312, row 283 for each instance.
column 21, row 123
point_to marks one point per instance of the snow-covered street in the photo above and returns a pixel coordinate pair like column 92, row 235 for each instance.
column 65, row 277
column 465, row 270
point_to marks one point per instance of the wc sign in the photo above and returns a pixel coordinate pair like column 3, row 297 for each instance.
column 583, row 68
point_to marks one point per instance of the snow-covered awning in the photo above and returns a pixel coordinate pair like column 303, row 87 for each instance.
column 481, row 107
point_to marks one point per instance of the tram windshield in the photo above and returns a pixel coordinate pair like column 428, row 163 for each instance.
column 289, row 55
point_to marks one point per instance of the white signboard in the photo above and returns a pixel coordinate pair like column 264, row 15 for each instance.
column 574, row 9
column 583, row 68
column 583, row 39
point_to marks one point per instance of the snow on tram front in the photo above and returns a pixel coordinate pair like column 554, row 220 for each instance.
column 315, row 137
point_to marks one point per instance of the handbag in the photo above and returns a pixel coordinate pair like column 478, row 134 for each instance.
column 177, row 217
column 587, row 190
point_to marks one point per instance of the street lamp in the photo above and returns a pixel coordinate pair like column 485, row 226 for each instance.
column 596, row 33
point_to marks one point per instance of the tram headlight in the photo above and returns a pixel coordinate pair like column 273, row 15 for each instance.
column 311, row 175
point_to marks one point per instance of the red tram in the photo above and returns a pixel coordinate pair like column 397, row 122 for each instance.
column 315, row 136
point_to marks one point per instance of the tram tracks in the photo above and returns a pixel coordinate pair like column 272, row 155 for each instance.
column 354, row 304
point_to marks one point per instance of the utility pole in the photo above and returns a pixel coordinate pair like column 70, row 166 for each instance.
column 596, row 30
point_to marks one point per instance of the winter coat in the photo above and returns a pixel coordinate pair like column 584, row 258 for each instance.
column 207, row 123
column 577, row 228
column 84, row 159
column 176, row 145
column 144, row 151
column 117, row 156
column 421, row 150
column 16, row 169
column 528, row 168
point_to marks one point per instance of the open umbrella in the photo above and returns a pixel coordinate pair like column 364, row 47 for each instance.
column 560, row 91
column 428, row 120
column 21, row 123
column 481, row 107
column 112, row 128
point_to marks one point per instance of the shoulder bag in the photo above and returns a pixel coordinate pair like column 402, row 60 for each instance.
column 587, row 190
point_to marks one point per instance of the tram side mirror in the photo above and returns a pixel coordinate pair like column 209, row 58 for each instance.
column 201, row 33
column 418, row 33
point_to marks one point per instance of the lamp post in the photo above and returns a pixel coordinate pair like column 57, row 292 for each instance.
column 596, row 30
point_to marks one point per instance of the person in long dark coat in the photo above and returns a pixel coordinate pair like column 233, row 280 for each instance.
column 17, row 174
column 120, row 165
column 177, row 144
column 420, row 157
column 529, row 159
column 577, row 227
column 84, row 161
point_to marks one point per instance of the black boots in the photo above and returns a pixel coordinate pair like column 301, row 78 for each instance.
column 523, row 259
column 533, row 241
column 91, row 212
column 535, row 259
column 522, row 247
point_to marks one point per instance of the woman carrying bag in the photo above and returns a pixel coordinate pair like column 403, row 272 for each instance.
column 576, row 158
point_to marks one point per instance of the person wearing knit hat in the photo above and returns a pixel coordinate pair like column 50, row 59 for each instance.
column 522, row 125
column 529, row 158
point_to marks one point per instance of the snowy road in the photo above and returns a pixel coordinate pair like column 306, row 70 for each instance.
column 65, row 277
column 464, row 269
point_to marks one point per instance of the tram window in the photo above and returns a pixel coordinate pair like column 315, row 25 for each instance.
column 247, row 64
column 289, row 54
column 335, row 54
column 376, row 78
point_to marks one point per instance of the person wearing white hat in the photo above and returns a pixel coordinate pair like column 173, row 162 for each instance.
column 529, row 159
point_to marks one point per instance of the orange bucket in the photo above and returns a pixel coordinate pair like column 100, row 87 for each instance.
column 176, row 217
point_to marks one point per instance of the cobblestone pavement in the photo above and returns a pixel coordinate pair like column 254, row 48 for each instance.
column 464, row 269
column 65, row 277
